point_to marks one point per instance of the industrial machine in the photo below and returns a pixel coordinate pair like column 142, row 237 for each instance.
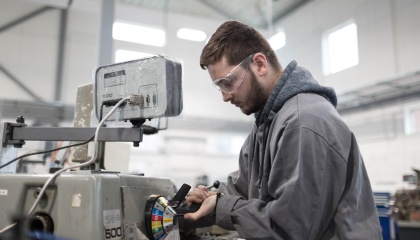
column 407, row 201
column 406, row 208
column 90, row 202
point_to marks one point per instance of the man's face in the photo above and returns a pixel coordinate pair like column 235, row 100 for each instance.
column 238, row 85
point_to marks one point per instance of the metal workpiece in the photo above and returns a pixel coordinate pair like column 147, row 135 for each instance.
column 8, row 152
column 82, row 118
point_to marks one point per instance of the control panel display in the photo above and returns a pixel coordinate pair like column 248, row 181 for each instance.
column 154, row 82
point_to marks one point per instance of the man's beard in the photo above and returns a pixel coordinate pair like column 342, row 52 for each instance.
column 256, row 99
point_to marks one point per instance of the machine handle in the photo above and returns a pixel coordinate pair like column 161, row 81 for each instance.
column 180, row 195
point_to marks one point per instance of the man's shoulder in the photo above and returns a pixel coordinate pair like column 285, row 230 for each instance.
column 311, row 111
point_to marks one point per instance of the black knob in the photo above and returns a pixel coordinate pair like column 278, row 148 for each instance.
column 20, row 119
column 216, row 184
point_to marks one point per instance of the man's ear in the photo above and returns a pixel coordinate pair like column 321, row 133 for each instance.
column 261, row 62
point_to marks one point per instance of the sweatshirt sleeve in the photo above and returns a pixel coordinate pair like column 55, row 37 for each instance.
column 305, row 183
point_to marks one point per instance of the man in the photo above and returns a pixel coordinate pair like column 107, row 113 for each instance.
column 301, row 175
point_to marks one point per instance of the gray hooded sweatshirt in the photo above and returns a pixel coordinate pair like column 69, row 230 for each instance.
column 301, row 175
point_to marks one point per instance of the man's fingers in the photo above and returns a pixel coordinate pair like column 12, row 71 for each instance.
column 191, row 216
column 202, row 188
column 206, row 207
column 195, row 199
column 197, row 196
column 196, row 215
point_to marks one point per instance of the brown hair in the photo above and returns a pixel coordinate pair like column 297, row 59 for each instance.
column 236, row 41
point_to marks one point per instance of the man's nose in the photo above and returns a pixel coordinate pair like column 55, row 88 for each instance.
column 226, row 96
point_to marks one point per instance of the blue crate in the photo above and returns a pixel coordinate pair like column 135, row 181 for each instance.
column 388, row 224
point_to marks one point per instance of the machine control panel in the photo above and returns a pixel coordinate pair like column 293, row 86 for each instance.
column 154, row 84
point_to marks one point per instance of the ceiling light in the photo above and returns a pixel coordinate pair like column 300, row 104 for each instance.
column 191, row 34
column 278, row 40
column 139, row 34
column 127, row 55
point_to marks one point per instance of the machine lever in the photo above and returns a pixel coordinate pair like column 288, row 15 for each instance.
column 180, row 195
column 192, row 208
column 216, row 185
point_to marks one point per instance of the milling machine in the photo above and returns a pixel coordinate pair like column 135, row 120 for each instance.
column 92, row 203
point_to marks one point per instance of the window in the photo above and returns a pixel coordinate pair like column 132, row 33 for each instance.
column 130, row 32
column 278, row 40
column 340, row 49
column 412, row 121
column 127, row 55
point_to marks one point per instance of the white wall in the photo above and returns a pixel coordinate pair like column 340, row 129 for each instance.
column 389, row 152
column 388, row 35
column 388, row 39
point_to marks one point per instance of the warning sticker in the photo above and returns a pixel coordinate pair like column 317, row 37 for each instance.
column 112, row 218
column 76, row 200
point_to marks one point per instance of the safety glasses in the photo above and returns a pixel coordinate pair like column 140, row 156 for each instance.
column 229, row 83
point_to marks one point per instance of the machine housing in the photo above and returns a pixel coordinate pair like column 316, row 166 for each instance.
column 83, row 205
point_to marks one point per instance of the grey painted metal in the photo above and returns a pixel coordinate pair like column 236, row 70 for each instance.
column 24, row 18
column 20, row 84
column 76, row 134
column 61, row 53
column 156, row 80
column 106, row 48
column 80, row 204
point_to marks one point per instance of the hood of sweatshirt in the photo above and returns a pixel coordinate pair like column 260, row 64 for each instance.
column 293, row 81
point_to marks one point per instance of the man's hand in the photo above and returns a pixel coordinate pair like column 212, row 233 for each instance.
column 198, row 195
column 206, row 208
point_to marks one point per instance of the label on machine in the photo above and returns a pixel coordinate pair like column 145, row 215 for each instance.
column 112, row 224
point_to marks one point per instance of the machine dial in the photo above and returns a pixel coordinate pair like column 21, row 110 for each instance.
column 160, row 217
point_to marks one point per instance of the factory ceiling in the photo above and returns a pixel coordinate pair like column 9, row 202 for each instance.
column 253, row 12
column 257, row 13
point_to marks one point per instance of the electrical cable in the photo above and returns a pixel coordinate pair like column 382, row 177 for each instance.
column 93, row 159
column 48, row 151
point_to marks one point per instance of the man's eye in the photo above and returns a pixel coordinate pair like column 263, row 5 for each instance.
column 227, row 82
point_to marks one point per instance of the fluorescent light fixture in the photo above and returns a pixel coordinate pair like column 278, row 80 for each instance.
column 340, row 48
column 127, row 55
column 278, row 40
column 139, row 34
column 191, row 35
